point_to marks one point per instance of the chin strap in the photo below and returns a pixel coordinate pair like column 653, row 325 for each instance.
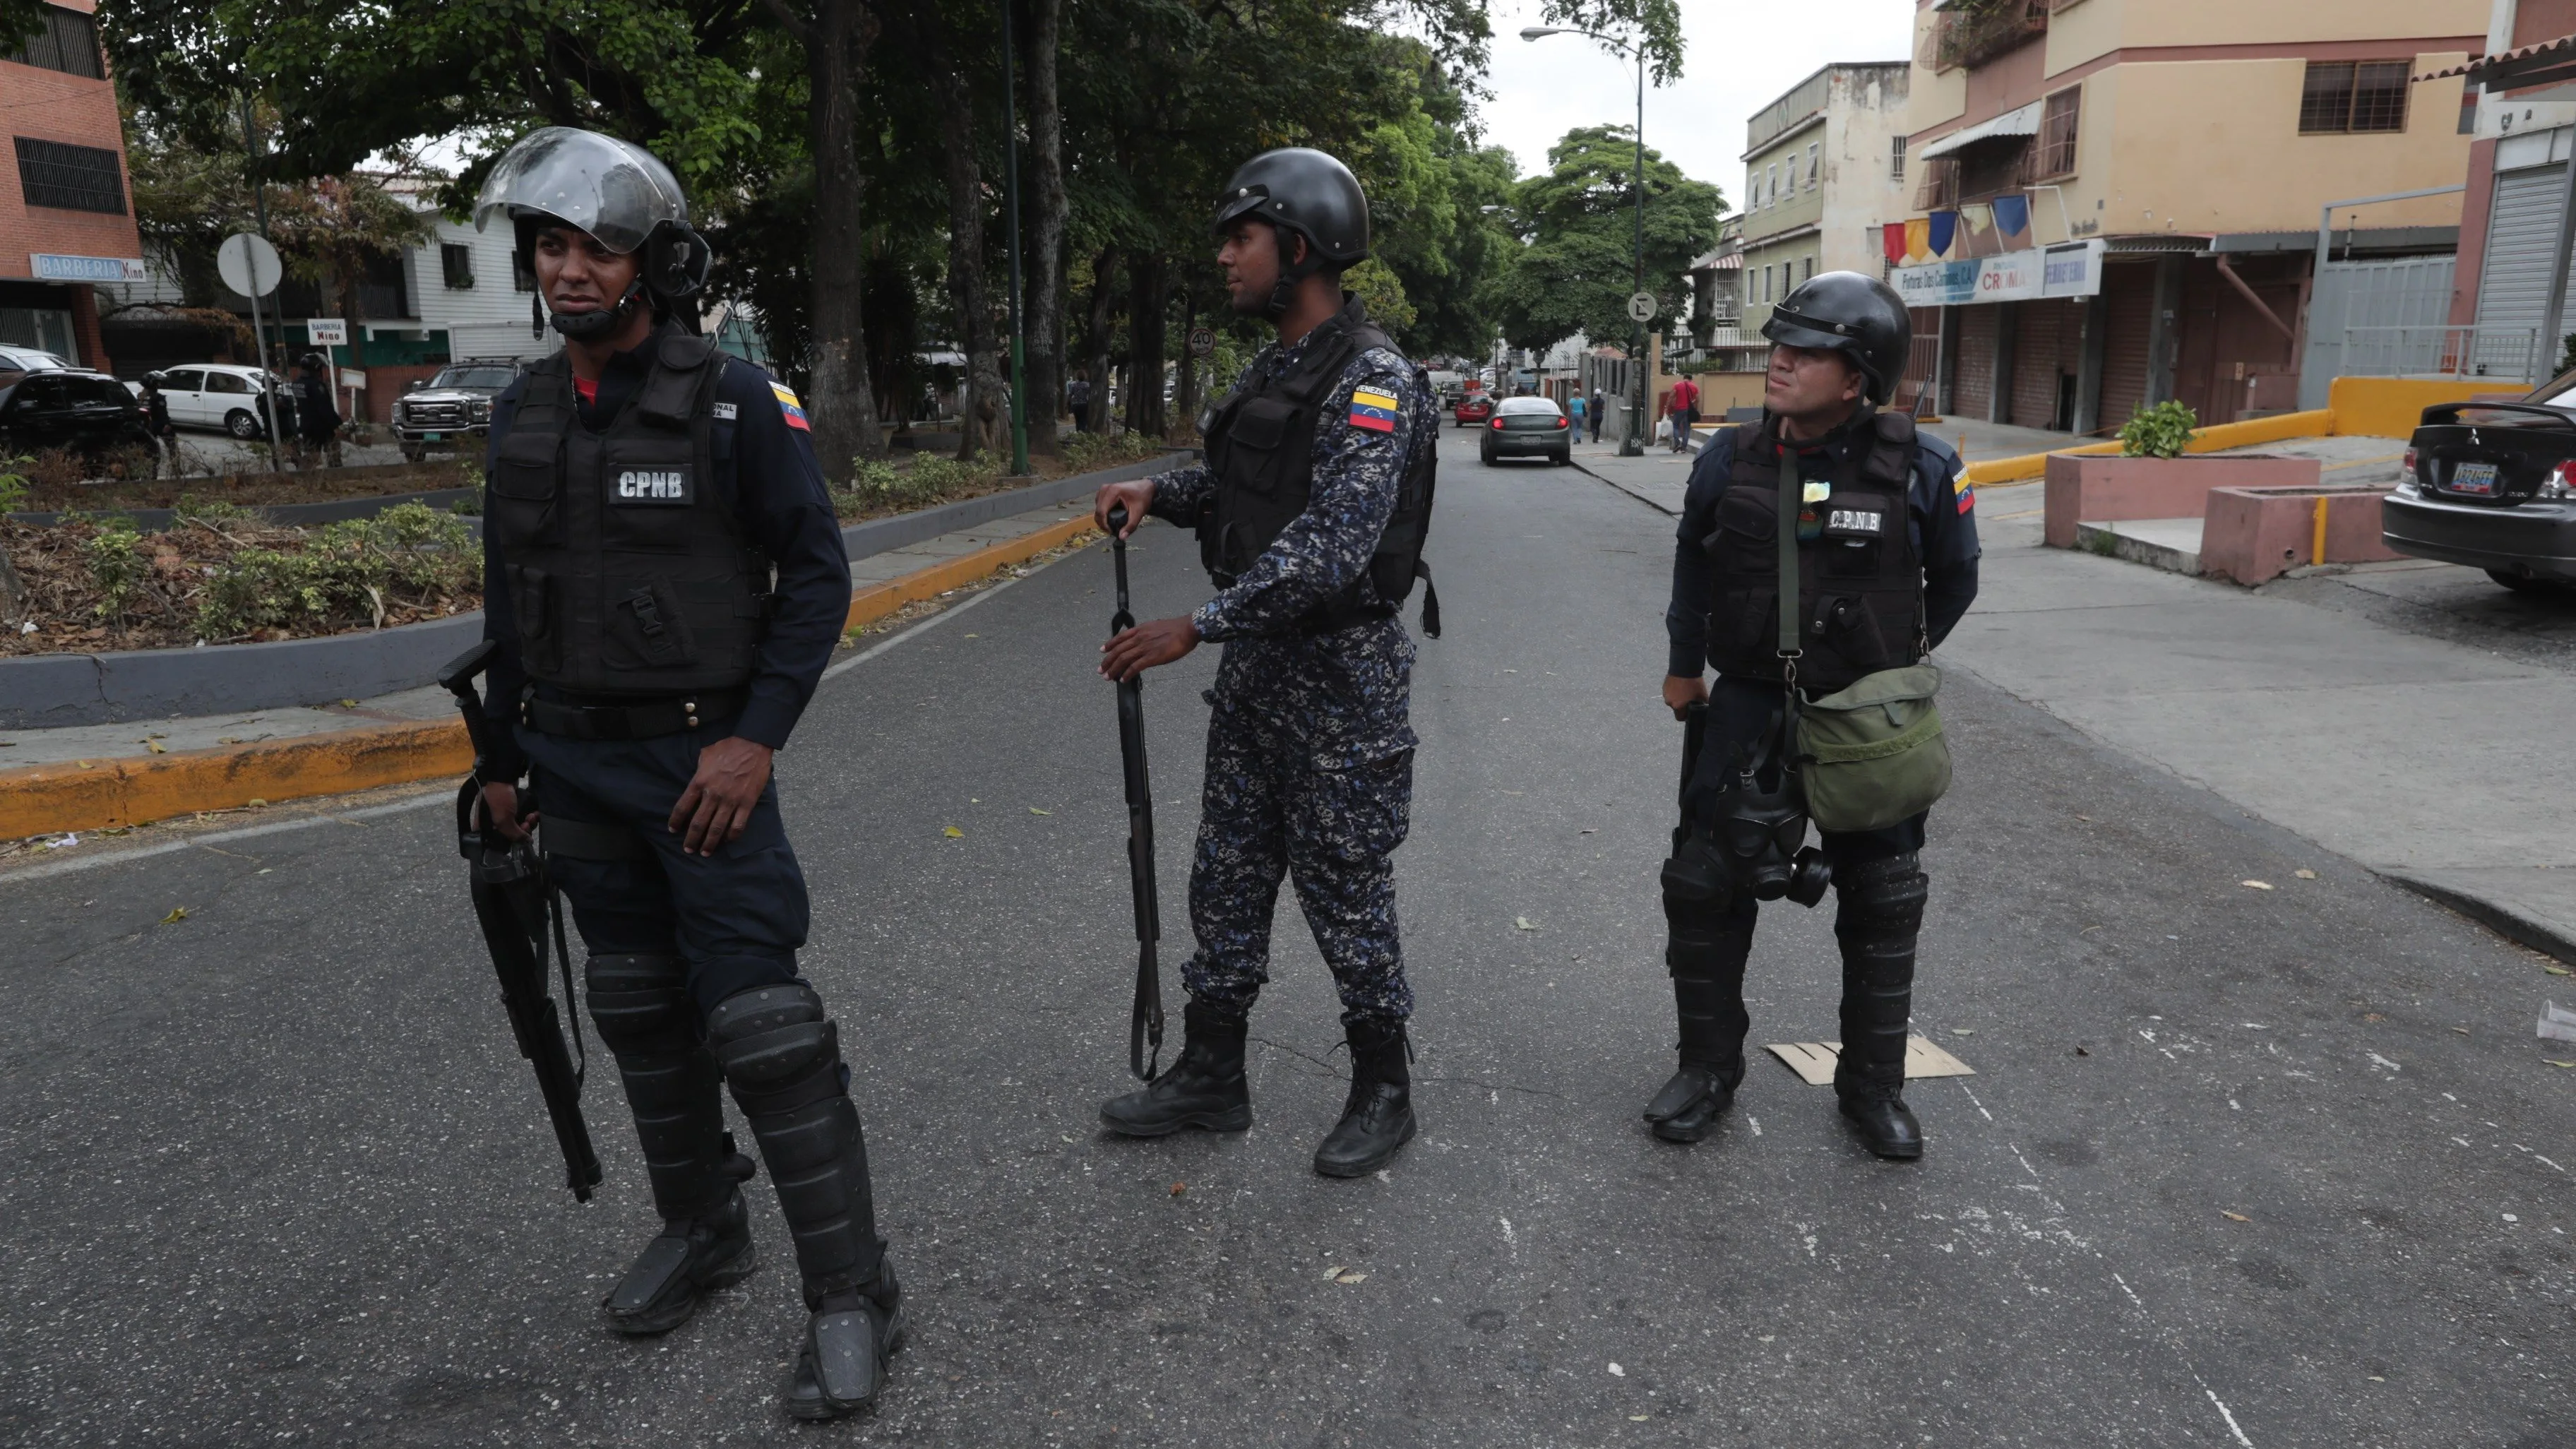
column 590, row 326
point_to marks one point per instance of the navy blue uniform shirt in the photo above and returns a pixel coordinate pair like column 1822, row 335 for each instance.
column 765, row 468
column 1940, row 517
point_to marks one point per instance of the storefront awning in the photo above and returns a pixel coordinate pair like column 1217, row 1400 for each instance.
column 2541, row 63
column 2023, row 122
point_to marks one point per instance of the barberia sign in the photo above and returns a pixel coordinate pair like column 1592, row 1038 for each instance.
column 2069, row 269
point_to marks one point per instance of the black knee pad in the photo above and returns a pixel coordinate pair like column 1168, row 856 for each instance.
column 1703, row 944
column 641, row 1004
column 778, row 1050
column 1881, row 897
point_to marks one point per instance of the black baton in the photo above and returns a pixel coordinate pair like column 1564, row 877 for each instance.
column 1145, row 1024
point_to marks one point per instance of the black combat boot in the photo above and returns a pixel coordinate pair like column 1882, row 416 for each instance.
column 640, row 1004
column 782, row 1057
column 1706, row 954
column 1879, row 914
column 1377, row 1116
column 1204, row 1087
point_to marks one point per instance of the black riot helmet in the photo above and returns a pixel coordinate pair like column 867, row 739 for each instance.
column 1860, row 317
column 1302, row 190
column 618, row 193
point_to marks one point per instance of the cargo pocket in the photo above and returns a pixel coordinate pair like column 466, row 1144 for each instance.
column 649, row 487
column 1747, row 521
column 526, row 489
column 646, row 629
column 1257, row 444
column 1845, row 624
column 532, row 598
column 1855, row 530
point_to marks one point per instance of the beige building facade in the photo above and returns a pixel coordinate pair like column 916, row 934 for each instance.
column 2174, row 154
column 1823, row 171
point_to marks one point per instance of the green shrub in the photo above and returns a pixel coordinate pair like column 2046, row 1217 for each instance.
column 939, row 476
column 1088, row 452
column 2161, row 431
column 344, row 570
column 117, row 565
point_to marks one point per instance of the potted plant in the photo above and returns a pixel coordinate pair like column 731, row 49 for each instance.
column 2154, row 476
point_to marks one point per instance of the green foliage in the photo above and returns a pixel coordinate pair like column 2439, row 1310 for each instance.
column 1382, row 292
column 1089, row 452
column 117, row 565
column 1579, row 219
column 13, row 488
column 2566, row 356
column 343, row 571
column 2161, row 431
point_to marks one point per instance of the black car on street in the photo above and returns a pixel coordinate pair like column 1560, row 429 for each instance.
column 2493, row 485
column 84, row 412
column 1528, row 427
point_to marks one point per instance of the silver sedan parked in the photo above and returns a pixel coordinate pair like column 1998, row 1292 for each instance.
column 1528, row 427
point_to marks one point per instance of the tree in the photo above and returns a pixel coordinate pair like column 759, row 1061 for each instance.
column 1578, row 267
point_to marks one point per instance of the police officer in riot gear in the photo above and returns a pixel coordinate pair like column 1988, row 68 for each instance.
column 1310, row 511
column 1840, row 343
column 666, row 582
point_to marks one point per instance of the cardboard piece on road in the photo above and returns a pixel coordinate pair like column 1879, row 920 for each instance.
column 1813, row 1061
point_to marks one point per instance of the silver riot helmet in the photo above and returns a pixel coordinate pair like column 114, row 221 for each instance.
column 617, row 192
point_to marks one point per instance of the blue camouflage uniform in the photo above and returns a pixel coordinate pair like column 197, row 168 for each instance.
column 1310, row 747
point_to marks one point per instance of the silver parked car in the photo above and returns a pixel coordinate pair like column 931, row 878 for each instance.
column 1528, row 427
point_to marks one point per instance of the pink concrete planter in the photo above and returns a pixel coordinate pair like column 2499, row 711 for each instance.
column 2098, row 488
column 2254, row 534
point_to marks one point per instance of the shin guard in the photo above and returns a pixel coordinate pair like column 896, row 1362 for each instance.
column 1706, row 951
column 782, row 1058
column 1878, row 916
column 641, row 1006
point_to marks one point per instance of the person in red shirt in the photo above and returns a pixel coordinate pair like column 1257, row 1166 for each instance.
column 1685, row 409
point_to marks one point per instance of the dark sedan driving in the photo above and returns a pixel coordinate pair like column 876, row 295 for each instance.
column 2493, row 485
column 86, row 412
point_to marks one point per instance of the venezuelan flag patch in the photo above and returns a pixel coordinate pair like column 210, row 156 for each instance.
column 1372, row 410
column 1967, row 494
column 787, row 404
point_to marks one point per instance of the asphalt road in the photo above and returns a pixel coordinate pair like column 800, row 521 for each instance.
column 2239, row 1166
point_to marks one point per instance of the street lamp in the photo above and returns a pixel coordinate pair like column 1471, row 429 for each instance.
column 1632, row 442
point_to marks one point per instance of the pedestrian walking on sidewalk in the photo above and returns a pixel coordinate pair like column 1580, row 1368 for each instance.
column 156, row 423
column 1685, row 406
column 1310, row 513
column 1574, row 413
column 1886, row 562
column 317, row 417
column 1077, row 396
column 643, row 487
column 1593, row 411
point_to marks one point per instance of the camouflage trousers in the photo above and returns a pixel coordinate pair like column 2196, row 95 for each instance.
column 1268, row 811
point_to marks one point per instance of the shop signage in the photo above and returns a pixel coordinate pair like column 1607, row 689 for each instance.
column 327, row 331
column 2068, row 269
column 57, row 267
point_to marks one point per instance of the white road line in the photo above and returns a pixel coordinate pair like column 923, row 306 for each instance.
column 442, row 795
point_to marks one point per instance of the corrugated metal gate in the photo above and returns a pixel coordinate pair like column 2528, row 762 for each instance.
column 2129, row 308
column 1975, row 386
column 2047, row 346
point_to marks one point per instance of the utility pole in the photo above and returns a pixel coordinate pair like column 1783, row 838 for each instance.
column 273, row 392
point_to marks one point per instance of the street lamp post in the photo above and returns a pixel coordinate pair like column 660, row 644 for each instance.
column 1632, row 439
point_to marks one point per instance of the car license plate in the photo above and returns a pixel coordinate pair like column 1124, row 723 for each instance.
column 434, row 437
column 2478, row 479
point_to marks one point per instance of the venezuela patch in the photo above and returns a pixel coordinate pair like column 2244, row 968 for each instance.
column 1372, row 410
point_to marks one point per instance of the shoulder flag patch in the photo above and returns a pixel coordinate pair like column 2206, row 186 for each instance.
column 1967, row 494
column 787, row 404
column 1373, row 410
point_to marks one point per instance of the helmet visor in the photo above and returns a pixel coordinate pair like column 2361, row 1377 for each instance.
column 615, row 191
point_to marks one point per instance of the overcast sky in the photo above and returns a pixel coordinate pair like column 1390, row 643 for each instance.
column 1739, row 56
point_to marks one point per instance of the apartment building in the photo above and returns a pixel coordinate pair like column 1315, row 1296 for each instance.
column 2118, row 201
column 1824, row 169
column 2518, row 212
column 66, row 223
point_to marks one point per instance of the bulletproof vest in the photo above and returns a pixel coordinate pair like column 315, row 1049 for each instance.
column 1261, row 446
column 1860, row 583
column 628, row 574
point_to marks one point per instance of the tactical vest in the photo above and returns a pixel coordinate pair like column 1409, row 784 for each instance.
column 1860, row 583
column 1261, row 446
column 628, row 574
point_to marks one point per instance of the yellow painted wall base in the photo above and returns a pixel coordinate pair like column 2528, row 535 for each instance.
column 2393, row 407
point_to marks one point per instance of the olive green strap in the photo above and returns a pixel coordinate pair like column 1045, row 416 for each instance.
column 1790, row 491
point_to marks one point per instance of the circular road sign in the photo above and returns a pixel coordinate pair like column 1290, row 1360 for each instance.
column 1641, row 307
column 249, row 264
column 1202, row 342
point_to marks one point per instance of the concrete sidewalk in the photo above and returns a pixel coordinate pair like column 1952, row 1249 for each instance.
column 2431, row 761
column 92, row 776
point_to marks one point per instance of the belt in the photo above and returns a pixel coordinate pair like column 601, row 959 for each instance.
column 644, row 720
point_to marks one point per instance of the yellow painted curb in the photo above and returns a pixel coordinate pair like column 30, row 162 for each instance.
column 874, row 602
column 111, row 793
column 2278, row 429
column 48, row 799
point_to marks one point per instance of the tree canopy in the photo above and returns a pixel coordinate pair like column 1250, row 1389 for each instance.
column 1578, row 222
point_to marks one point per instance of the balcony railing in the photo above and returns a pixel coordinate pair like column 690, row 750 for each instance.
column 1972, row 32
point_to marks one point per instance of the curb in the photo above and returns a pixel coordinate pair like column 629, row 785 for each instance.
column 111, row 794
column 2543, row 936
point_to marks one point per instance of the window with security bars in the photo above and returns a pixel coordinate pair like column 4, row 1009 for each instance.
column 2057, row 133
column 1896, row 158
column 72, row 178
column 2345, row 96
column 456, row 264
column 68, row 42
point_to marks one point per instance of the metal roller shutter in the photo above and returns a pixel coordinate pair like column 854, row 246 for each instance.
column 2130, row 304
column 2043, row 348
column 2515, row 288
column 1976, row 382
